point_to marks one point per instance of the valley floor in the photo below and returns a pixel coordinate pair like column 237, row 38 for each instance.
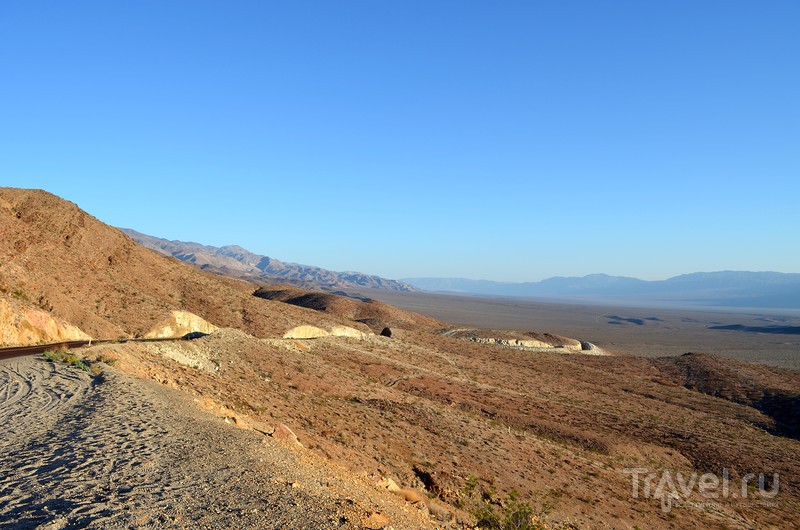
column 628, row 330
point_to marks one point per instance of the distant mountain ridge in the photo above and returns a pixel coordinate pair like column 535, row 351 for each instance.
column 233, row 260
column 725, row 288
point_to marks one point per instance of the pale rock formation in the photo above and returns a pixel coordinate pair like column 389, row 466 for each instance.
column 406, row 493
column 377, row 521
column 23, row 326
column 344, row 331
column 178, row 324
column 568, row 344
column 305, row 332
column 285, row 434
column 313, row 332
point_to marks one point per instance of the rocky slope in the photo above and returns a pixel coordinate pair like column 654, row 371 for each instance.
column 429, row 411
column 236, row 261
column 67, row 263
column 21, row 324
column 432, row 412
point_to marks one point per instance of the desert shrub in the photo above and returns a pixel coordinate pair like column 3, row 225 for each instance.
column 493, row 513
column 106, row 359
column 67, row 357
column 511, row 514
column 19, row 293
column 54, row 355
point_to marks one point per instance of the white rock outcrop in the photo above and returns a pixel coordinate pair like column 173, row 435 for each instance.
column 178, row 324
column 305, row 332
column 24, row 326
column 314, row 332
column 345, row 331
column 567, row 344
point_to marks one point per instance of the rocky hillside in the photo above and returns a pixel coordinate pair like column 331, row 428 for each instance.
column 56, row 258
column 21, row 323
column 232, row 260
column 425, row 411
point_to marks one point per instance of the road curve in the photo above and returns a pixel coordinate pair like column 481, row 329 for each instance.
column 20, row 351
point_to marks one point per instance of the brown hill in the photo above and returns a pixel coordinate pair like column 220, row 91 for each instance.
column 377, row 315
column 56, row 256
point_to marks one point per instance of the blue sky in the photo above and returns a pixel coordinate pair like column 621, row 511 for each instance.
column 498, row 140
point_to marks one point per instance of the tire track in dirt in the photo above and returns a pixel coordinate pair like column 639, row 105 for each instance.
column 31, row 400
column 111, row 451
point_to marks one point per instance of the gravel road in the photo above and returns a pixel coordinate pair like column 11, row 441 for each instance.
column 112, row 451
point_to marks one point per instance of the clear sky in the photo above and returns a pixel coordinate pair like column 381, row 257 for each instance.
column 497, row 140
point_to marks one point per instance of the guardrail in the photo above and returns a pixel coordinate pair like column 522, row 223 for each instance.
column 19, row 351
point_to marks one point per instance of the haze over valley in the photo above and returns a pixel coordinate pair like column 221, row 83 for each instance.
column 734, row 289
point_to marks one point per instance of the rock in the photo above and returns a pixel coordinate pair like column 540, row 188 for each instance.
column 386, row 332
column 22, row 325
column 314, row 332
column 409, row 495
column 285, row 434
column 263, row 428
column 179, row 324
column 305, row 332
column 344, row 331
column 376, row 521
column 390, row 485
column 586, row 346
column 439, row 510
column 548, row 342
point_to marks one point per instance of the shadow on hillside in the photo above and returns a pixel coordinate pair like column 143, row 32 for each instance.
column 785, row 410
column 772, row 392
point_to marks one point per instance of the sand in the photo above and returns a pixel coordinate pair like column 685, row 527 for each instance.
column 112, row 451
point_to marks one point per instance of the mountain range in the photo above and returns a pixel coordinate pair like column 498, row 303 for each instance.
column 233, row 260
column 724, row 289
column 699, row 289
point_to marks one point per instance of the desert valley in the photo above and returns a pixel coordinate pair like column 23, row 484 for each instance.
column 260, row 394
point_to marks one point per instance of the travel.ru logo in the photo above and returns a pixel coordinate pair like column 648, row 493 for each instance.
column 672, row 489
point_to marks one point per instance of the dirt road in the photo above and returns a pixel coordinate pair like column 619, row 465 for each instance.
column 111, row 451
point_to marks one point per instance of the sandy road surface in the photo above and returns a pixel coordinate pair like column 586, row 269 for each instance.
column 116, row 452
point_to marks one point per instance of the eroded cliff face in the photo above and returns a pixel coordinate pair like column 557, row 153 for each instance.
column 529, row 341
column 22, row 325
column 178, row 324
column 565, row 343
column 313, row 332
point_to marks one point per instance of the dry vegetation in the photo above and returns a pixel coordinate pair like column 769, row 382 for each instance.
column 430, row 412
